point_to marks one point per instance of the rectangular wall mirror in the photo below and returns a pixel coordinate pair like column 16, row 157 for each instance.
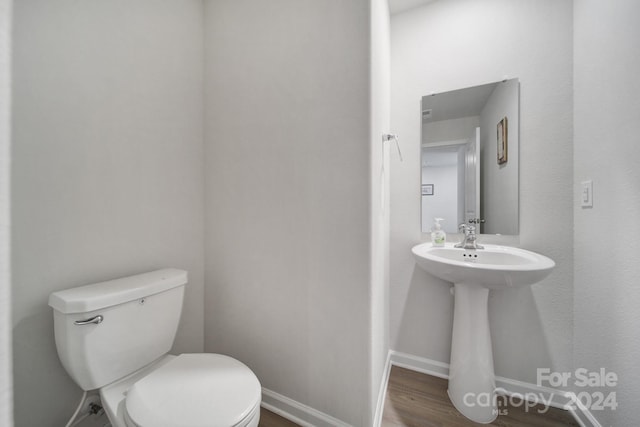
column 469, row 160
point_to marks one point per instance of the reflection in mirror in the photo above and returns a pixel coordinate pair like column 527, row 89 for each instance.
column 470, row 151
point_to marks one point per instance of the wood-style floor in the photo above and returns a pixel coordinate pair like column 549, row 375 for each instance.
column 418, row 400
column 269, row 419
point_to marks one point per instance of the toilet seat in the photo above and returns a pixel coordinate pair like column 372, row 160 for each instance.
column 195, row 390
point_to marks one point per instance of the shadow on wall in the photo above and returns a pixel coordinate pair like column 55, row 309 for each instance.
column 516, row 308
column 511, row 308
column 47, row 392
column 426, row 291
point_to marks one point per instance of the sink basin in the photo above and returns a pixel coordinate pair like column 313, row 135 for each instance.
column 494, row 267
column 474, row 272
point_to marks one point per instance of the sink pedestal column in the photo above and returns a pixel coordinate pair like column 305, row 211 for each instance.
column 471, row 376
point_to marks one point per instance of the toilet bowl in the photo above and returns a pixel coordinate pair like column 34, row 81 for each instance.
column 187, row 390
column 115, row 336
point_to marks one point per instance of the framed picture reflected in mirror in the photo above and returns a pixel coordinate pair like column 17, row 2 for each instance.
column 503, row 141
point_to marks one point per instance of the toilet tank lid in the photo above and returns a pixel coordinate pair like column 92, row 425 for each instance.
column 97, row 296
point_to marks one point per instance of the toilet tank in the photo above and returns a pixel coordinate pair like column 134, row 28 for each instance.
column 139, row 320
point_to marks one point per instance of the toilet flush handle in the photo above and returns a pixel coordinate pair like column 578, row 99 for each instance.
column 97, row 319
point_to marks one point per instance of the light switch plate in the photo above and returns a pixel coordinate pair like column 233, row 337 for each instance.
column 586, row 194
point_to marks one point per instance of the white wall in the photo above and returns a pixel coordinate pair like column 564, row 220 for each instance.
column 453, row 130
column 449, row 130
column 499, row 183
column 379, row 122
column 607, row 107
column 460, row 43
column 107, row 175
column 288, row 256
column 444, row 201
column 6, row 410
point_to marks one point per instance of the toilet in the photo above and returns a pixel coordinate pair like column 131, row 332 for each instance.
column 115, row 337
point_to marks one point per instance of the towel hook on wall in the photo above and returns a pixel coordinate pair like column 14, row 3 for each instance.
column 388, row 137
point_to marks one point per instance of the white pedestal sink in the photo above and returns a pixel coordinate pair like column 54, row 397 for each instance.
column 473, row 273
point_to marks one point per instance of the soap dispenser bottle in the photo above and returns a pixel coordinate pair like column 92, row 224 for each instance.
column 438, row 236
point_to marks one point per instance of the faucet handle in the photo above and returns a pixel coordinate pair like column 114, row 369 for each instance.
column 462, row 228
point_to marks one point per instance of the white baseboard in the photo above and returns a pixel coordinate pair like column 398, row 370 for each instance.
column 583, row 416
column 307, row 416
column 297, row 412
column 382, row 392
column 556, row 398
column 419, row 364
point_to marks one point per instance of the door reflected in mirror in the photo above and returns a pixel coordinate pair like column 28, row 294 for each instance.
column 469, row 161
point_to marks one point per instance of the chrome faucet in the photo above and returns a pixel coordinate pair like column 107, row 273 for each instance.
column 469, row 239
